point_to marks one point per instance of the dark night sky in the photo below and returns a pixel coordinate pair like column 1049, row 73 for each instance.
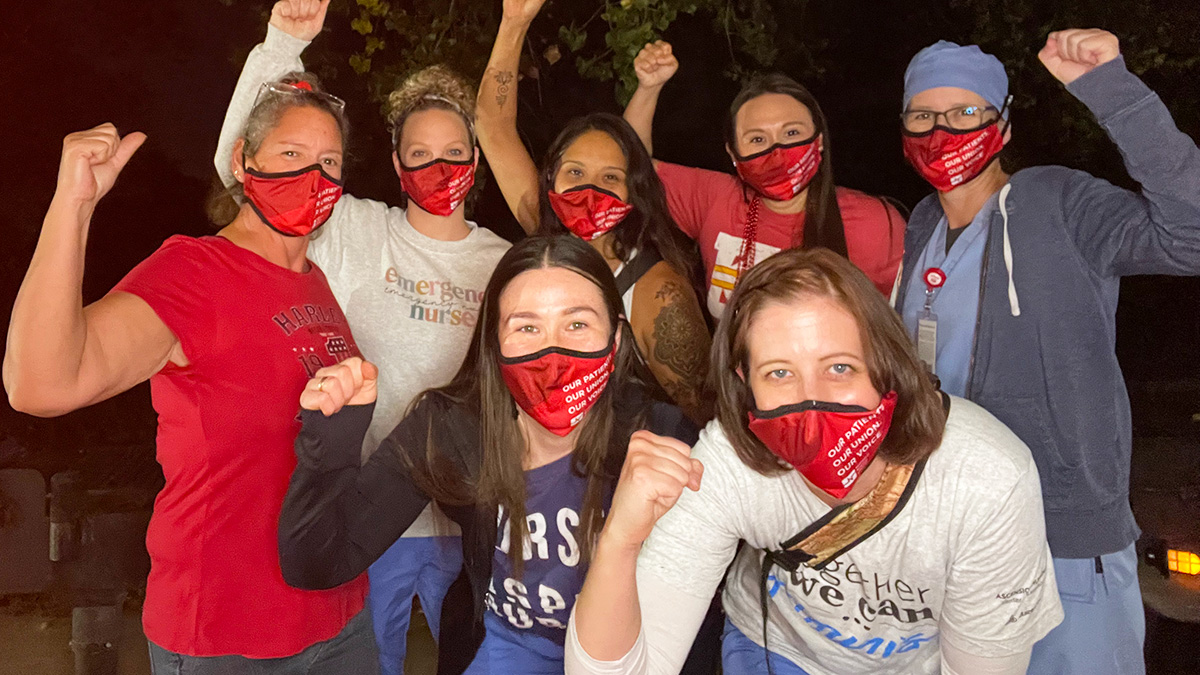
column 167, row 67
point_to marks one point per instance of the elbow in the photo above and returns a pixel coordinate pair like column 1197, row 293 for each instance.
column 26, row 395
column 307, row 572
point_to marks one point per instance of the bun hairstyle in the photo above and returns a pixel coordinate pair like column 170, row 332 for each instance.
column 436, row 87
column 269, row 107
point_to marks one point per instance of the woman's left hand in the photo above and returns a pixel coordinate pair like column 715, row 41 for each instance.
column 351, row 382
column 1070, row 53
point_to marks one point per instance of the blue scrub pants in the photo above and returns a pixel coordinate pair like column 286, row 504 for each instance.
column 421, row 566
column 1103, row 626
column 739, row 654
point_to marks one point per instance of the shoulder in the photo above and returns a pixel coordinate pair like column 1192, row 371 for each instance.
column 181, row 259
column 721, row 461
column 861, row 208
column 979, row 450
column 663, row 284
column 484, row 239
column 1051, row 180
column 677, row 175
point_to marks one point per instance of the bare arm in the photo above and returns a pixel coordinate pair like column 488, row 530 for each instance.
column 496, row 115
column 672, row 334
column 61, row 355
column 607, row 616
column 654, row 65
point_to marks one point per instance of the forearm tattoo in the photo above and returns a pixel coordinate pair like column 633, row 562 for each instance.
column 504, row 80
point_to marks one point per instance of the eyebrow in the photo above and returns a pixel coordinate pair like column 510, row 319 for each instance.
column 839, row 355
column 575, row 161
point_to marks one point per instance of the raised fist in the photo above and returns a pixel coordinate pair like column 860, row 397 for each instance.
column 1075, row 51
column 351, row 382
column 655, row 64
column 522, row 10
column 299, row 18
column 91, row 161
column 656, row 471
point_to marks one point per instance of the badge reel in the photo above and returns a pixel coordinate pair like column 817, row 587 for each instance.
column 927, row 320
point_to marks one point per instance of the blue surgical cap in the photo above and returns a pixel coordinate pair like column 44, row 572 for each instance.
column 946, row 64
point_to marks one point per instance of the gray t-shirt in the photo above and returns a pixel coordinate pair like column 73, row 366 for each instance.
column 965, row 562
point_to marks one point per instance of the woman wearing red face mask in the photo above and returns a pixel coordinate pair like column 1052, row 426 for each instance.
column 887, row 528
column 521, row 449
column 410, row 279
column 597, row 182
column 783, row 195
column 206, row 320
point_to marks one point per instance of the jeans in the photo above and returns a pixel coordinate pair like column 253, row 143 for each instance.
column 350, row 651
column 1103, row 627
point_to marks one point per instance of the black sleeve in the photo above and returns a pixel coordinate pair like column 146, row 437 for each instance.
column 339, row 518
column 665, row 419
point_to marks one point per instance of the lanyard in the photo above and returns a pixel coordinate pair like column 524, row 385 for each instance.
column 749, row 239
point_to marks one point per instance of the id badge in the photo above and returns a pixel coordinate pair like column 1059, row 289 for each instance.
column 927, row 339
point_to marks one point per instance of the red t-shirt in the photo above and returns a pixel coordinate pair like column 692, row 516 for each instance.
column 253, row 333
column 711, row 208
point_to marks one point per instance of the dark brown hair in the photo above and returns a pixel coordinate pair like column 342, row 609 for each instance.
column 822, row 218
column 650, row 222
column 600, row 448
column 891, row 358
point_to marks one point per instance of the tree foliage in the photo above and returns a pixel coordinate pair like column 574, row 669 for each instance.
column 600, row 37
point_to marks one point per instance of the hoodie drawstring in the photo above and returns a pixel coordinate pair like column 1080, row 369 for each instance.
column 1013, row 304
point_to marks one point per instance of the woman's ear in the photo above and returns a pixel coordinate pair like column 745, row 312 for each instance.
column 237, row 161
column 732, row 157
column 619, row 333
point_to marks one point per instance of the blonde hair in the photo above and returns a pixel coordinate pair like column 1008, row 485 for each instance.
column 435, row 87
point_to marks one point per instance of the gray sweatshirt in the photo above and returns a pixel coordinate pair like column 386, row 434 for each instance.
column 1044, row 358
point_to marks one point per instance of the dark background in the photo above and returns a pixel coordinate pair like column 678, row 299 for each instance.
column 168, row 67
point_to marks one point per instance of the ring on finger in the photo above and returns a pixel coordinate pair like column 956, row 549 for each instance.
column 321, row 383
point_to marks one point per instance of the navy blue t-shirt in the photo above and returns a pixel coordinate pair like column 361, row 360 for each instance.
column 540, row 602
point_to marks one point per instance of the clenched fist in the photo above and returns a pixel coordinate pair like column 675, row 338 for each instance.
column 1076, row 51
column 656, row 471
column 655, row 64
column 91, row 161
column 300, row 18
column 351, row 382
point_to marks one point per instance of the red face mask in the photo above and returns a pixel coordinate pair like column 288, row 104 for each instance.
column 438, row 186
column 293, row 203
column 948, row 158
column 587, row 211
column 557, row 386
column 781, row 171
column 828, row 443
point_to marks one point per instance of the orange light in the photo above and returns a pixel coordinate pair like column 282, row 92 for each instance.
column 1183, row 562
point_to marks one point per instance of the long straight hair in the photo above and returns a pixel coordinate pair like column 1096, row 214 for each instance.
column 823, row 227
column 650, row 222
column 478, row 385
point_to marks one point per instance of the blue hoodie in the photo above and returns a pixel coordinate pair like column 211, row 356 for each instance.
column 1044, row 359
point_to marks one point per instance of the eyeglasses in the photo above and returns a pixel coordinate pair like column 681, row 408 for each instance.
column 303, row 89
column 958, row 119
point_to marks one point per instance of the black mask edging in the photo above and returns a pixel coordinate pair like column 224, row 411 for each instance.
column 805, row 406
column 515, row 360
column 773, row 148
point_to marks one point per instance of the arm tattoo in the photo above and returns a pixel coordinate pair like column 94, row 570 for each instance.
column 504, row 79
column 679, row 344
